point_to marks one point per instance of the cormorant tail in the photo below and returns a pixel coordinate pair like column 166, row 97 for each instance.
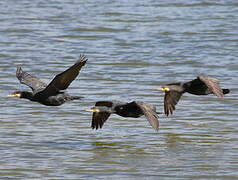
column 226, row 91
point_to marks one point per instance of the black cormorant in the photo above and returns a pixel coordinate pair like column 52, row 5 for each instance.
column 51, row 94
column 202, row 85
column 135, row 109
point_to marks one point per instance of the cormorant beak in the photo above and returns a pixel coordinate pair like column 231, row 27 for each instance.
column 92, row 110
column 14, row 95
column 164, row 89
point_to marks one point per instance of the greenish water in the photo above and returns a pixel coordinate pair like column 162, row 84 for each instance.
column 133, row 48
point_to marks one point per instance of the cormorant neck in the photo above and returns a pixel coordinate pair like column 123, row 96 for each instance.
column 186, row 86
column 27, row 95
column 105, row 109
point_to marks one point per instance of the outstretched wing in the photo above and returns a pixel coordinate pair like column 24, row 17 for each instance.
column 171, row 98
column 64, row 79
column 33, row 82
column 213, row 85
column 100, row 118
column 150, row 113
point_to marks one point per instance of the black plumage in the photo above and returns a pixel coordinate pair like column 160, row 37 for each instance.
column 202, row 85
column 135, row 109
column 52, row 94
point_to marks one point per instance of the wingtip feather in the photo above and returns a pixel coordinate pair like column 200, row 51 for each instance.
column 18, row 71
column 83, row 58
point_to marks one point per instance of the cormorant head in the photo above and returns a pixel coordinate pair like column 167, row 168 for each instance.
column 98, row 109
column 15, row 94
column 164, row 88
column 21, row 94
column 93, row 109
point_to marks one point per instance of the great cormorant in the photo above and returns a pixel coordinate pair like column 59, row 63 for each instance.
column 202, row 85
column 51, row 94
column 135, row 109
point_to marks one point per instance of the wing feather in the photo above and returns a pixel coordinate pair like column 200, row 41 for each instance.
column 150, row 113
column 213, row 85
column 171, row 98
column 104, row 103
column 64, row 79
column 100, row 118
column 32, row 81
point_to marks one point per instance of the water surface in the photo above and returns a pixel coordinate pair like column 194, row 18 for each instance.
column 133, row 48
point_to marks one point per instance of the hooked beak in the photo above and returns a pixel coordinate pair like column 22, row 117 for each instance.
column 14, row 95
column 92, row 110
column 164, row 89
